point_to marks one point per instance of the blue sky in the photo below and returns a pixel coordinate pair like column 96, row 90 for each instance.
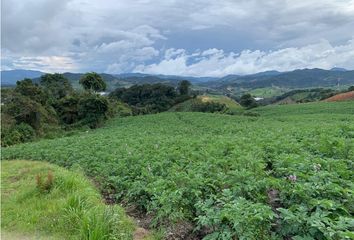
column 194, row 37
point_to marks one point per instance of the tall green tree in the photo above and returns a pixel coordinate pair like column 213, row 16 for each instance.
column 93, row 110
column 56, row 85
column 248, row 101
column 183, row 87
column 25, row 110
column 27, row 88
column 93, row 82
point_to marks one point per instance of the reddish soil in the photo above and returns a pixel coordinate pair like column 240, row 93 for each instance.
column 341, row 97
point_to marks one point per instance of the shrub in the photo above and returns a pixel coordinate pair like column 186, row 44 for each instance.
column 211, row 107
column 67, row 109
column 118, row 108
column 248, row 101
column 93, row 110
column 17, row 134
column 56, row 85
column 93, row 82
column 45, row 185
column 25, row 110
column 147, row 98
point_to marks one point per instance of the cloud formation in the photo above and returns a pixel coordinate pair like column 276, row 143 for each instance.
column 123, row 36
column 217, row 63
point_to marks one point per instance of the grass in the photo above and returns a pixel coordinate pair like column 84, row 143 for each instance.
column 186, row 106
column 71, row 209
column 230, row 103
column 286, row 173
column 267, row 92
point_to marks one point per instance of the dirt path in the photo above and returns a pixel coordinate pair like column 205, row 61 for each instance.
column 141, row 234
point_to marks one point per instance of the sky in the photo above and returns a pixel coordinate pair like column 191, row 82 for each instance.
column 176, row 37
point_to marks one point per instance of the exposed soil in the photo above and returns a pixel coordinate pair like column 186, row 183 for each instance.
column 274, row 202
column 341, row 97
column 140, row 233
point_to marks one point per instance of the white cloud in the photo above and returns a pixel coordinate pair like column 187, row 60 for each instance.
column 214, row 62
column 112, row 35
column 49, row 64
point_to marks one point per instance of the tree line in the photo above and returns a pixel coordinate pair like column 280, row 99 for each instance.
column 52, row 106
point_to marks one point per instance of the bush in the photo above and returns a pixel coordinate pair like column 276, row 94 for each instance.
column 248, row 101
column 147, row 98
column 25, row 110
column 93, row 110
column 118, row 108
column 67, row 109
column 45, row 185
column 251, row 114
column 17, row 134
column 56, row 85
column 211, row 107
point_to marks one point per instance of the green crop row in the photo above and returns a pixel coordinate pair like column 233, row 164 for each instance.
column 285, row 174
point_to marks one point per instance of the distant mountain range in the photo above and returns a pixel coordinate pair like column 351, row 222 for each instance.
column 302, row 78
column 10, row 77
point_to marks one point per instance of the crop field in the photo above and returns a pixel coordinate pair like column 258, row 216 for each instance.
column 285, row 174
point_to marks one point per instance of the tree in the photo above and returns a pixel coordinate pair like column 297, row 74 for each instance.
column 93, row 82
column 33, row 91
column 248, row 101
column 56, row 85
column 183, row 87
column 67, row 109
column 351, row 88
column 93, row 109
column 147, row 98
column 212, row 107
column 25, row 110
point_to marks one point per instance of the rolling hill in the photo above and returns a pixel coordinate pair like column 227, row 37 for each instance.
column 10, row 77
column 302, row 78
column 348, row 96
column 231, row 84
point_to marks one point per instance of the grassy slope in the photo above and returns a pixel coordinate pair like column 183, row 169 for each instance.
column 166, row 163
column 230, row 103
column 71, row 210
column 187, row 105
column 348, row 96
column 267, row 92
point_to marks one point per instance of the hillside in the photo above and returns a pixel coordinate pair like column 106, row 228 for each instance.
column 264, row 84
column 341, row 97
column 297, row 79
column 198, row 174
column 68, row 207
column 187, row 106
column 10, row 77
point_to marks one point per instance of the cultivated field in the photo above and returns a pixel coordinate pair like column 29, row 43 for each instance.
column 285, row 173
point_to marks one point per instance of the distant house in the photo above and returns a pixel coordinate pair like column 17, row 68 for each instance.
column 258, row 98
column 103, row 93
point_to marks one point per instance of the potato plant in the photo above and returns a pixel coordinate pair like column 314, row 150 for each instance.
column 287, row 173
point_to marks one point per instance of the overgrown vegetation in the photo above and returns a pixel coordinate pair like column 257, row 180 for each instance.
column 152, row 98
column 284, row 173
column 33, row 110
column 45, row 201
